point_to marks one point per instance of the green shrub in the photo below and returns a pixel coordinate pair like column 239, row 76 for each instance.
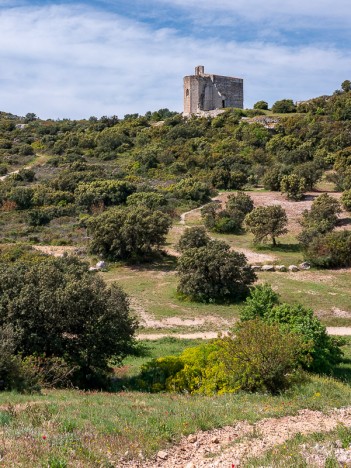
column 330, row 250
column 121, row 233
column 261, row 105
column 194, row 237
column 320, row 219
column 262, row 299
column 262, row 356
column 346, row 200
column 214, row 273
column 191, row 189
column 293, row 186
column 284, row 106
column 108, row 192
column 322, row 350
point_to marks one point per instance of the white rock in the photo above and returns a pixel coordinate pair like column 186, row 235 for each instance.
column 101, row 265
column 192, row 438
column 267, row 268
column 256, row 267
column 293, row 268
column 93, row 269
column 304, row 266
column 281, row 268
column 162, row 454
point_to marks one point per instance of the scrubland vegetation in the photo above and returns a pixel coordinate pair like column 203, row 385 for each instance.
column 181, row 210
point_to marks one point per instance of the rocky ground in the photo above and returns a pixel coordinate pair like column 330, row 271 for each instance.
column 231, row 446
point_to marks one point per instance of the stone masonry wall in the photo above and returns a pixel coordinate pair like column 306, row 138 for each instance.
column 203, row 92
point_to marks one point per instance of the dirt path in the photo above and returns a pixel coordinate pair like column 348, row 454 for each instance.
column 232, row 445
column 56, row 251
column 209, row 335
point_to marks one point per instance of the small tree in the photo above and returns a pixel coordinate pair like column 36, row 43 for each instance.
column 320, row 348
column 58, row 308
column 121, row 233
column 320, row 219
column 330, row 250
column 267, row 221
column 214, row 273
column 346, row 86
column 346, row 200
column 261, row 105
column 284, row 106
column 241, row 201
column 262, row 356
column 194, row 237
column 293, row 186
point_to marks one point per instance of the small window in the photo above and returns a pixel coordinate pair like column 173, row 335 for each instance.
column 223, row 103
column 187, row 93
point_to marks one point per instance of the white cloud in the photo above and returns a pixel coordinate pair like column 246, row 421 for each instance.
column 268, row 9
column 72, row 61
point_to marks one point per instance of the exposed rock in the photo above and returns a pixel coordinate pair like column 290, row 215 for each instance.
column 305, row 266
column 192, row 438
column 101, row 265
column 93, row 269
column 281, row 268
column 215, row 440
column 268, row 268
column 162, row 454
column 293, row 268
column 256, row 267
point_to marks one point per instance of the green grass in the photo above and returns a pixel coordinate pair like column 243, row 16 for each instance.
column 77, row 428
column 155, row 288
column 93, row 428
column 153, row 349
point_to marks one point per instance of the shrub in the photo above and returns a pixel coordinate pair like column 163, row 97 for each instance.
column 261, row 300
column 214, row 273
column 261, row 356
column 151, row 200
column 231, row 218
column 194, row 237
column 284, row 106
column 346, row 200
column 330, row 250
column 263, row 303
column 109, row 192
column 61, row 310
column 293, row 186
column 197, row 370
column 261, row 105
column 191, row 189
column 121, row 233
column 241, row 202
column 321, row 218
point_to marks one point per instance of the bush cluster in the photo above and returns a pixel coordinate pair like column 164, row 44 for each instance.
column 230, row 219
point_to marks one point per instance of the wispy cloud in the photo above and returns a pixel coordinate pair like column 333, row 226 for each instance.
column 76, row 61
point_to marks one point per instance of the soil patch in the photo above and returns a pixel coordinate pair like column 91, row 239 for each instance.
column 232, row 445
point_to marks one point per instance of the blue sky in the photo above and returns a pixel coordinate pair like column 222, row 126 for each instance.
column 77, row 59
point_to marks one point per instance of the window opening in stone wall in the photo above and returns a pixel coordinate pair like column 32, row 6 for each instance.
column 223, row 103
column 187, row 93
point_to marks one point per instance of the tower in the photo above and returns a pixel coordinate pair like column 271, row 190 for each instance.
column 205, row 92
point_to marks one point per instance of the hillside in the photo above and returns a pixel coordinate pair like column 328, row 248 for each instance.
column 65, row 183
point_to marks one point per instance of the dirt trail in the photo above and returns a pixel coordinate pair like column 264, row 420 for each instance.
column 208, row 335
column 232, row 445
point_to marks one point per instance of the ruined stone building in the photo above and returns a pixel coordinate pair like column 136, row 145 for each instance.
column 204, row 92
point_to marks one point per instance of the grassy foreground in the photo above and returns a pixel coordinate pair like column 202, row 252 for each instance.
column 62, row 428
